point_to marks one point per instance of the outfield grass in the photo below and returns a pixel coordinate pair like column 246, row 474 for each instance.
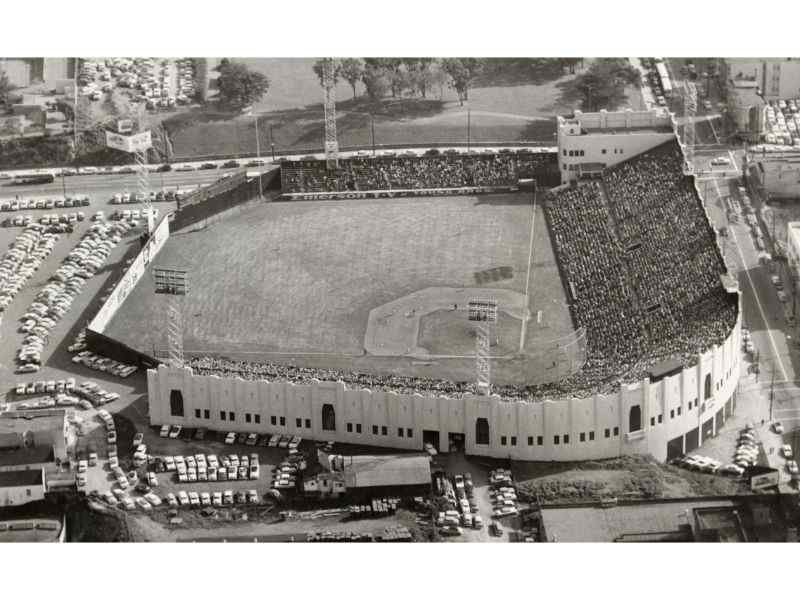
column 302, row 277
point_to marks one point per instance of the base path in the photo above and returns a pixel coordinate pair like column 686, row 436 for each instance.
column 393, row 328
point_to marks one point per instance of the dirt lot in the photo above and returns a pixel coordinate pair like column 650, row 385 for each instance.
column 630, row 477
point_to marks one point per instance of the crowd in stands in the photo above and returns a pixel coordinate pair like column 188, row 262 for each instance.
column 412, row 172
column 639, row 255
column 636, row 252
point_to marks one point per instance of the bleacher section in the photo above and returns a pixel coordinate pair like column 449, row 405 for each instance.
column 410, row 172
column 641, row 262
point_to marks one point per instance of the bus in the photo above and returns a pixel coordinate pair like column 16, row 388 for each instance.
column 34, row 179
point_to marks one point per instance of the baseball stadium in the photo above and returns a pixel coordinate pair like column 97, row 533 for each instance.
column 335, row 300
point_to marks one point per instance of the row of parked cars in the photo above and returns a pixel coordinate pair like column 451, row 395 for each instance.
column 49, row 219
column 44, row 203
column 503, row 493
column 103, row 364
column 27, row 252
column 232, row 467
column 56, row 297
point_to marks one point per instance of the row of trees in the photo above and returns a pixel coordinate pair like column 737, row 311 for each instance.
column 412, row 75
column 416, row 76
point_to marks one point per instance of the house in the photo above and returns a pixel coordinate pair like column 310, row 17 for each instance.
column 21, row 486
column 30, row 429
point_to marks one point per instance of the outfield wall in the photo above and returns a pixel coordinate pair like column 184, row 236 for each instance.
column 676, row 413
column 373, row 194
column 95, row 339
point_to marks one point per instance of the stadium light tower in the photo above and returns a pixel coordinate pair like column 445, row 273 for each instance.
column 483, row 312
column 689, row 111
column 331, row 141
column 142, row 173
column 174, row 283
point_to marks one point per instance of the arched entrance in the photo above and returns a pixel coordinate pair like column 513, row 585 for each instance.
column 328, row 417
column 482, row 431
column 635, row 418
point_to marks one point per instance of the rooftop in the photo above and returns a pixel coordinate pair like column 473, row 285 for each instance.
column 21, row 478
column 627, row 130
column 27, row 456
column 374, row 471
column 14, row 421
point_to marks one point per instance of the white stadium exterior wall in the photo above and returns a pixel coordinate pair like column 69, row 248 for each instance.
column 672, row 397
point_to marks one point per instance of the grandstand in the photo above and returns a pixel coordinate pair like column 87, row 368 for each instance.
column 414, row 172
column 634, row 265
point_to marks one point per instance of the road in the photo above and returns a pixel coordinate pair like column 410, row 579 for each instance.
column 103, row 186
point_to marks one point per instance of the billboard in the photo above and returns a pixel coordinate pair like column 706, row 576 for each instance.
column 359, row 195
column 129, row 143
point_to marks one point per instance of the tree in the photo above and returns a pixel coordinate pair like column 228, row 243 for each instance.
column 462, row 72
column 392, row 71
column 318, row 69
column 603, row 83
column 5, row 87
column 420, row 74
column 351, row 70
column 240, row 86
column 375, row 80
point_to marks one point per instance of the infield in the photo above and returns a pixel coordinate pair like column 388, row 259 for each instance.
column 297, row 278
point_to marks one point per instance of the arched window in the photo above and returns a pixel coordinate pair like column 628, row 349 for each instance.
column 176, row 403
column 482, row 431
column 707, row 394
column 328, row 417
column 635, row 418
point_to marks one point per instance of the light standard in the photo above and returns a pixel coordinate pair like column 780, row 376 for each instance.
column 272, row 142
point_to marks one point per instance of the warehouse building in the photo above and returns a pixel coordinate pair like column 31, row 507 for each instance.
column 21, row 486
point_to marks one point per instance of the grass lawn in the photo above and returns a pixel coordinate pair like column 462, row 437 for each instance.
column 302, row 277
column 501, row 111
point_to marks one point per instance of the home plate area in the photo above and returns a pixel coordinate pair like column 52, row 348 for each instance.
column 433, row 323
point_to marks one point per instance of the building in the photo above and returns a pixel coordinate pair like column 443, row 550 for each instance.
column 775, row 77
column 368, row 476
column 23, row 72
column 589, row 142
column 21, row 486
column 30, row 429
column 670, row 411
column 37, row 457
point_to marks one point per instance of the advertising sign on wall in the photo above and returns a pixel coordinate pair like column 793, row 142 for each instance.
column 462, row 191
column 129, row 143
column 765, row 480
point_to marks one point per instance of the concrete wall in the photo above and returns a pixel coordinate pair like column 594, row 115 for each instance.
column 612, row 139
column 678, row 399
column 15, row 496
column 18, row 70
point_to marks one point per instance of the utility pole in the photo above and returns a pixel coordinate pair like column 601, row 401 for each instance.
column 372, row 120
column 771, row 393
column 258, row 142
column 469, row 123
column 272, row 142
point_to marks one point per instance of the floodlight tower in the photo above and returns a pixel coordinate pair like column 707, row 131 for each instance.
column 690, row 110
column 483, row 312
column 142, row 173
column 174, row 283
column 329, row 83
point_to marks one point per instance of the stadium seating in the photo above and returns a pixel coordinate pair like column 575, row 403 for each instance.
column 636, row 253
column 637, row 249
column 413, row 172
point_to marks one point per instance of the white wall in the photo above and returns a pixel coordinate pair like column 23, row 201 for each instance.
column 614, row 141
column 451, row 415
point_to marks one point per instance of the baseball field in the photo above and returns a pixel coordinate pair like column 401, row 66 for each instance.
column 360, row 278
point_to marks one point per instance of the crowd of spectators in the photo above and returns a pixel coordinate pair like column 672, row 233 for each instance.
column 279, row 373
column 640, row 257
column 636, row 251
column 412, row 172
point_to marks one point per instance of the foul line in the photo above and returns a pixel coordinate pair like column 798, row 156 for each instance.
column 524, row 329
column 755, row 294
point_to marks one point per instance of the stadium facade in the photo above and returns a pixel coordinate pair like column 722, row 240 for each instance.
column 672, row 410
column 590, row 142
